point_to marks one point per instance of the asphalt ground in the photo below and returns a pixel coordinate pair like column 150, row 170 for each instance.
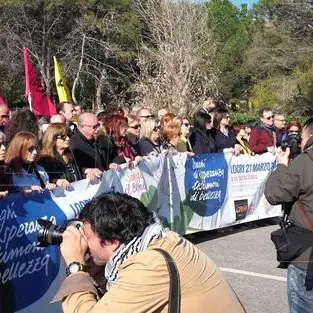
column 247, row 257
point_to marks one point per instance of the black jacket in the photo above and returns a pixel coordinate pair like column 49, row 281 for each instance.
column 87, row 153
column 147, row 147
column 6, row 183
column 222, row 141
column 202, row 142
column 290, row 184
column 57, row 169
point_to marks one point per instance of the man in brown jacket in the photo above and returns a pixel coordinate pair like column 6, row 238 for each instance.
column 294, row 183
column 123, row 235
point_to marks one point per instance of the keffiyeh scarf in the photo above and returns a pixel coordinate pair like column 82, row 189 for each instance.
column 138, row 244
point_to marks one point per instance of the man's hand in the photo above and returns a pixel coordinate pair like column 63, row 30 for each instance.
column 271, row 149
column 63, row 183
column 50, row 186
column 74, row 245
column 282, row 157
column 237, row 149
column 93, row 174
column 3, row 194
column 114, row 166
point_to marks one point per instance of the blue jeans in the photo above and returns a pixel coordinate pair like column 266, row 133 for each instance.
column 300, row 300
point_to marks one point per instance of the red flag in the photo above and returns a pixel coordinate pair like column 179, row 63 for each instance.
column 38, row 100
column 2, row 101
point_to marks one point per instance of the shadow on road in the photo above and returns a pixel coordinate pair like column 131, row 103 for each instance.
column 226, row 231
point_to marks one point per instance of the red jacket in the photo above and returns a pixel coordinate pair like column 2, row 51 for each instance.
column 260, row 139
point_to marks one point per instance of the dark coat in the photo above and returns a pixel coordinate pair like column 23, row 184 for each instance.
column 222, row 141
column 290, row 184
column 57, row 169
column 87, row 153
column 108, row 150
column 280, row 136
column 6, row 183
column 202, row 142
column 147, row 147
column 260, row 139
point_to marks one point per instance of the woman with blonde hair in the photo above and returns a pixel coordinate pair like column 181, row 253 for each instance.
column 56, row 157
column 150, row 142
column 21, row 156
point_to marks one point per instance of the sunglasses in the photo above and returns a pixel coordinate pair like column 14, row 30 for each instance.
column 32, row 149
column 3, row 144
column 270, row 117
column 4, row 116
column 156, row 129
column 146, row 116
column 135, row 127
column 63, row 137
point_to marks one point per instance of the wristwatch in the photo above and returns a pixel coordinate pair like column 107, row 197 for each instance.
column 75, row 267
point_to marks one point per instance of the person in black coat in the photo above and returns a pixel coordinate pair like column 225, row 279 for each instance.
column 56, row 156
column 201, row 138
column 90, row 160
column 224, row 135
column 6, row 184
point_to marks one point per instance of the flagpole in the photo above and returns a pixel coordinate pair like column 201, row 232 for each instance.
column 27, row 87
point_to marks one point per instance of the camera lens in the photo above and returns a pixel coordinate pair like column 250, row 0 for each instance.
column 49, row 234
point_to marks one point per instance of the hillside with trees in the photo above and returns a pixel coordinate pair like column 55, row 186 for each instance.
column 163, row 53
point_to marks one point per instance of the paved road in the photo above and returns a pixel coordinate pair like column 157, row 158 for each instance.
column 247, row 257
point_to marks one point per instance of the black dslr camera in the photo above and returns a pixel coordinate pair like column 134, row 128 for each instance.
column 292, row 141
column 51, row 234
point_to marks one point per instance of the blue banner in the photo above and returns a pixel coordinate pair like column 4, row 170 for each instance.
column 26, row 271
column 206, row 180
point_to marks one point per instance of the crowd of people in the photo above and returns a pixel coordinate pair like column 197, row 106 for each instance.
column 48, row 153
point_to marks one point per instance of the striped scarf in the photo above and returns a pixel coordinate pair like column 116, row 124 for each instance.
column 138, row 244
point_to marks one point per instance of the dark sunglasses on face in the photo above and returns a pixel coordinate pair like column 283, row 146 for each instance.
column 3, row 144
column 156, row 128
column 135, row 127
column 63, row 137
column 4, row 116
column 147, row 116
column 32, row 149
column 270, row 117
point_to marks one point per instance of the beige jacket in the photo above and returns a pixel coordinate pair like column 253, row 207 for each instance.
column 143, row 284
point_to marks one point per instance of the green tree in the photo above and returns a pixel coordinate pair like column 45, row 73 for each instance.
column 233, row 29
column 95, row 41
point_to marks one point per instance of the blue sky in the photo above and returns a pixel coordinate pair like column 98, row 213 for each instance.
column 249, row 2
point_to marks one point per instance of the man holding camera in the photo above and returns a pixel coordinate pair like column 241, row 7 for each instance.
column 121, row 234
column 294, row 183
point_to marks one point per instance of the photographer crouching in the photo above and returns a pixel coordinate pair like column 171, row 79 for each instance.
column 147, row 268
column 294, row 183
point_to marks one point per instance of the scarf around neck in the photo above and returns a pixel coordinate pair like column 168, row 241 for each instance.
column 137, row 244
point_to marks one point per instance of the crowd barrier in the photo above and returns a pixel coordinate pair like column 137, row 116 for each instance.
column 206, row 192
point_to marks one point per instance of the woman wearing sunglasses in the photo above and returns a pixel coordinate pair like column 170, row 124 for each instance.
column 133, row 132
column 21, row 156
column 150, row 141
column 56, row 156
column 224, row 135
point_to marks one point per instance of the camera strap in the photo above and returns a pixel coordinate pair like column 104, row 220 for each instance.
column 174, row 290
